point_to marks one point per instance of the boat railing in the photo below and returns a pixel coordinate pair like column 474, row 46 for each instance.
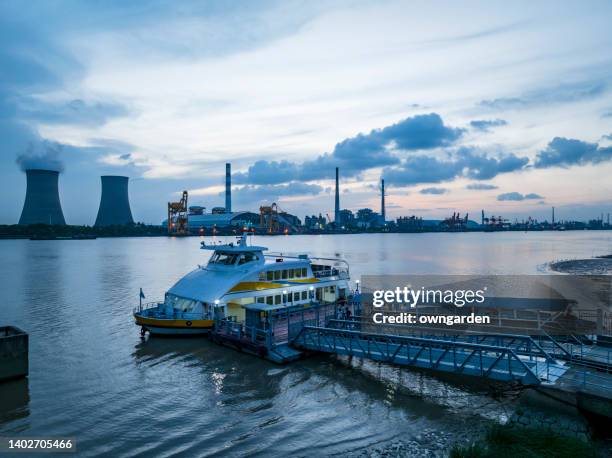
column 333, row 272
column 151, row 309
column 230, row 327
column 145, row 306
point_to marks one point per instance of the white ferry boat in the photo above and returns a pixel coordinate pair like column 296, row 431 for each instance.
column 240, row 277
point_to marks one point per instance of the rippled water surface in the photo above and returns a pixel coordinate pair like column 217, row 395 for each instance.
column 93, row 378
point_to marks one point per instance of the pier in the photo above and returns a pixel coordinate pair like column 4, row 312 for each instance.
column 572, row 369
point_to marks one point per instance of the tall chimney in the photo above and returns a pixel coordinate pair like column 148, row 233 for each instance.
column 382, row 200
column 228, row 188
column 553, row 216
column 115, row 202
column 337, row 208
column 42, row 203
column 482, row 217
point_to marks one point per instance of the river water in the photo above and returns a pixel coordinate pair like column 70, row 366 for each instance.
column 93, row 378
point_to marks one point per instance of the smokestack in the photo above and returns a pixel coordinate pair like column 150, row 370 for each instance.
column 228, row 188
column 553, row 216
column 42, row 203
column 337, row 207
column 482, row 217
column 115, row 203
column 382, row 200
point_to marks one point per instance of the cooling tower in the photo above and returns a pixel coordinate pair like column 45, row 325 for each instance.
column 114, row 204
column 42, row 202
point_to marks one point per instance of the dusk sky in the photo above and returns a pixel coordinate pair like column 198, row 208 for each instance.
column 460, row 106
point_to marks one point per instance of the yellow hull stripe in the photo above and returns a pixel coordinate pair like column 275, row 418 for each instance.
column 255, row 286
column 197, row 324
column 264, row 285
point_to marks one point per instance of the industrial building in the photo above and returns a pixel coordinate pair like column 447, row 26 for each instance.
column 209, row 221
column 114, row 207
column 198, row 221
column 42, row 203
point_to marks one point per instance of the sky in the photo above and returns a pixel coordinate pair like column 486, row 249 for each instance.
column 459, row 106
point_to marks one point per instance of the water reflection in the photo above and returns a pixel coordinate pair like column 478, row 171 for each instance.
column 14, row 399
column 43, row 280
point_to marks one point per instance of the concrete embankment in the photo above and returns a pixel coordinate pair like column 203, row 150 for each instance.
column 13, row 353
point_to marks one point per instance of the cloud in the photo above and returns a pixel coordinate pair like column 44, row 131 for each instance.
column 565, row 152
column 420, row 132
column 273, row 193
column 480, row 186
column 517, row 196
column 435, row 191
column 77, row 111
column 357, row 154
column 465, row 162
column 555, row 94
column 486, row 125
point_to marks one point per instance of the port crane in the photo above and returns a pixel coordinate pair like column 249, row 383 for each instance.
column 268, row 218
column 177, row 216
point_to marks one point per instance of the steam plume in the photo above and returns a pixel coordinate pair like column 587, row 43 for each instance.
column 47, row 159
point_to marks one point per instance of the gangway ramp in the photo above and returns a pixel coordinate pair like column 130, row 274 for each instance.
column 520, row 344
column 475, row 359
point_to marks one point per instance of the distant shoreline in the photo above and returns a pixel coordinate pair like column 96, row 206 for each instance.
column 51, row 232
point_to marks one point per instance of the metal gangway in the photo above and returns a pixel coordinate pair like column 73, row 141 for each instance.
column 495, row 362
column 570, row 348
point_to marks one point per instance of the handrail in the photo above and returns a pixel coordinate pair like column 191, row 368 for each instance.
column 145, row 306
column 416, row 340
column 175, row 315
column 309, row 258
column 422, row 342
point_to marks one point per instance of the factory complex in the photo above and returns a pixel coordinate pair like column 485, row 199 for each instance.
column 42, row 206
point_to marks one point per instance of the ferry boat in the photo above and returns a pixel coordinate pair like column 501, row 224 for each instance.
column 239, row 280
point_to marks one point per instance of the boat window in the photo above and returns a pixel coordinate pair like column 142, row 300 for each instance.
column 304, row 295
column 180, row 303
column 246, row 258
column 262, row 276
column 284, row 274
column 261, row 300
column 304, row 272
column 270, row 275
column 270, row 300
column 298, row 273
column 296, row 297
column 277, row 275
column 277, row 299
column 290, row 273
column 223, row 258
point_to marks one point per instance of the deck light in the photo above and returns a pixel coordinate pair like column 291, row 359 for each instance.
column 216, row 301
